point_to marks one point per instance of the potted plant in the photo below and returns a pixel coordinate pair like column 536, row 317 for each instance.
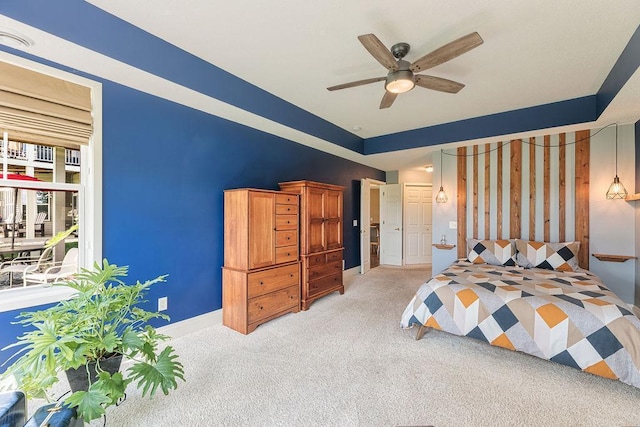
column 102, row 321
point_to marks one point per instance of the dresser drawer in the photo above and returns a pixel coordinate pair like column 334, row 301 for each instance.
column 267, row 305
column 287, row 199
column 334, row 256
column 322, row 270
column 286, row 254
column 324, row 284
column 286, row 238
column 286, row 210
column 286, row 222
column 319, row 259
column 273, row 279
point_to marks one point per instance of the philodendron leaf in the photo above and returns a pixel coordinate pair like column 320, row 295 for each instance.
column 112, row 386
column 162, row 373
column 131, row 341
column 89, row 404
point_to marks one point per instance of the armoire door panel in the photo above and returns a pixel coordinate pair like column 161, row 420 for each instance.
column 261, row 230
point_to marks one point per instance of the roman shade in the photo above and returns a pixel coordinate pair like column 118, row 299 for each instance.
column 41, row 109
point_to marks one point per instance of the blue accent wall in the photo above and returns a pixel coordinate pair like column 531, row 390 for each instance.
column 637, row 136
column 561, row 113
column 165, row 167
column 623, row 69
column 86, row 25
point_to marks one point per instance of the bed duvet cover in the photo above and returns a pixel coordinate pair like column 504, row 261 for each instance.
column 566, row 317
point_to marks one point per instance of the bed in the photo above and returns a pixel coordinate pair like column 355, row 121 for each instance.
column 532, row 297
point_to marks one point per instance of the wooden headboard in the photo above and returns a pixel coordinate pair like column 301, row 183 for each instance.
column 539, row 192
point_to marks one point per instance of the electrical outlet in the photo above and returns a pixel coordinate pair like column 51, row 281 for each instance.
column 355, row 222
column 163, row 303
column 453, row 225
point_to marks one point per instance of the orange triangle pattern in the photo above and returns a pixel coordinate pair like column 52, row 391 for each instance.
column 503, row 341
column 602, row 369
column 432, row 323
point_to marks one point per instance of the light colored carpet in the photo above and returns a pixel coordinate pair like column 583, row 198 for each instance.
column 346, row 362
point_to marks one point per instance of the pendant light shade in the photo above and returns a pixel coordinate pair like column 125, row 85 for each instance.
column 616, row 189
column 442, row 196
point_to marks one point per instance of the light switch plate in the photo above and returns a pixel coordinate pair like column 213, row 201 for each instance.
column 453, row 225
column 355, row 222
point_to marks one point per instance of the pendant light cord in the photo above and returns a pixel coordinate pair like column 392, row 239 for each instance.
column 616, row 149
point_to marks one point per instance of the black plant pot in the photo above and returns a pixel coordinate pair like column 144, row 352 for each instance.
column 78, row 379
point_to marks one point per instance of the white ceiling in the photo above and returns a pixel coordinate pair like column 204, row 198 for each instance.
column 534, row 52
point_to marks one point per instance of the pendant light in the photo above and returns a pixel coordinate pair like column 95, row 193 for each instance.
column 616, row 189
column 442, row 196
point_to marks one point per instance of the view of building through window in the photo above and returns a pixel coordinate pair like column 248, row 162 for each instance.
column 32, row 210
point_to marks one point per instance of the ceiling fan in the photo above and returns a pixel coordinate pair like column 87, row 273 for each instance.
column 402, row 76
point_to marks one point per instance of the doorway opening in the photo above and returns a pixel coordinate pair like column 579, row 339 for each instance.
column 374, row 228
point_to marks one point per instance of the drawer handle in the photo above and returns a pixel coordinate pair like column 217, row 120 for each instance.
column 288, row 238
column 261, row 307
column 261, row 282
column 288, row 254
column 291, row 275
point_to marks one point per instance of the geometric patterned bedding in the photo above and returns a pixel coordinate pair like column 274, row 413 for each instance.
column 566, row 317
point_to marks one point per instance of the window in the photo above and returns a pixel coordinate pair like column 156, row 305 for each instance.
column 79, row 193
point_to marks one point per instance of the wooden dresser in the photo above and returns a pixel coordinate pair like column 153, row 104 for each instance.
column 261, row 273
column 321, row 242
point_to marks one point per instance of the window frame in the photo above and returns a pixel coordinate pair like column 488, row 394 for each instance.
column 89, row 194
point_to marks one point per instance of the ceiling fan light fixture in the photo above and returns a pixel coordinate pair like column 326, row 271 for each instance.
column 400, row 81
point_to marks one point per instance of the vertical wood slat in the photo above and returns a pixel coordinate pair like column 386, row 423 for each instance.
column 583, row 148
column 547, row 187
column 516, row 189
column 475, row 191
column 499, row 192
column 562, row 192
column 532, row 189
column 487, row 179
column 462, row 202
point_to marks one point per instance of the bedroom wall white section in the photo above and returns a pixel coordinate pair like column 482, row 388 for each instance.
column 554, row 196
column 414, row 176
column 443, row 213
column 612, row 222
column 539, row 221
column 506, row 185
column 493, row 199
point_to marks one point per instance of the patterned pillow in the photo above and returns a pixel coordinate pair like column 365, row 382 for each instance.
column 561, row 256
column 494, row 252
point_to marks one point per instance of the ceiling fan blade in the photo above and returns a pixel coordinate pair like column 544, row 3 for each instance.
column 379, row 51
column 438, row 83
column 447, row 52
column 357, row 83
column 387, row 99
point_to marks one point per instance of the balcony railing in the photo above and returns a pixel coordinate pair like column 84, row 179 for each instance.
column 39, row 153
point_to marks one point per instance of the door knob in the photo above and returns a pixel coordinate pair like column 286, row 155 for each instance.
column 397, row 229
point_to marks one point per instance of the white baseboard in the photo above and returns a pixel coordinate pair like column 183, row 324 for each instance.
column 187, row 326
column 192, row 324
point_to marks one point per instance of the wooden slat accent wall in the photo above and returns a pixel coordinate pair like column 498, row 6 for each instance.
column 487, row 182
column 532, row 189
column 475, row 191
column 562, row 188
column 547, row 188
column 583, row 150
column 462, row 202
column 548, row 195
column 499, row 192
column 516, row 189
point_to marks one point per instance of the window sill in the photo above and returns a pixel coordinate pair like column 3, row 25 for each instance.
column 21, row 298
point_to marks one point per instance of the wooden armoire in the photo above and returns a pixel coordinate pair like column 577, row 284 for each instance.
column 321, row 240
column 261, row 273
